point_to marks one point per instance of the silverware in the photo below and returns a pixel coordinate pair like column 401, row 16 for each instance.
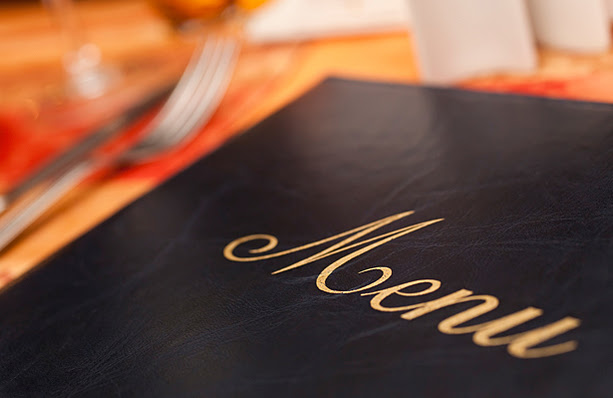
column 189, row 106
column 83, row 148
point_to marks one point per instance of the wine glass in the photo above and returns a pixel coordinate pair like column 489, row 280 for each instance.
column 87, row 76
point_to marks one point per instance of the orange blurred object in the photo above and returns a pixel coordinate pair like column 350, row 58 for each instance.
column 182, row 10
column 250, row 4
column 179, row 10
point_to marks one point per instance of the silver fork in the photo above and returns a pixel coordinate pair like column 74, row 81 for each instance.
column 189, row 106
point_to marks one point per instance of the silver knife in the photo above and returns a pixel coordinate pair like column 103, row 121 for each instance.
column 85, row 147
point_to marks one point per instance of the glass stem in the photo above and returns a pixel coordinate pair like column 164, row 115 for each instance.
column 64, row 13
column 82, row 62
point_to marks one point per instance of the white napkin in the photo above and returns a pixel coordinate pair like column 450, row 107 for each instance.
column 285, row 20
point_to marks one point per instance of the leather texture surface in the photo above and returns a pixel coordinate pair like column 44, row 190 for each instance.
column 146, row 305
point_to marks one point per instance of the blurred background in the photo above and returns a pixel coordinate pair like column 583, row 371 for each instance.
column 69, row 66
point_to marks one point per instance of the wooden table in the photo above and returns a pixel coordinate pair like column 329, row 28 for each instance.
column 134, row 38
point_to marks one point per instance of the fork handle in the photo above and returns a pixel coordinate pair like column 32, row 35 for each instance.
column 30, row 208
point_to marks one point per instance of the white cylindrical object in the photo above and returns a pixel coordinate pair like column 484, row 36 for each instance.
column 458, row 39
column 573, row 25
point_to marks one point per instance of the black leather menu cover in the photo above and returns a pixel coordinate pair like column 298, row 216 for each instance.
column 368, row 240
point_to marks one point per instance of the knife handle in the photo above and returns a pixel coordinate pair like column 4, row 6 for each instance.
column 29, row 207
column 84, row 148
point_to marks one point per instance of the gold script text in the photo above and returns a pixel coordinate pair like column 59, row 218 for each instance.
column 355, row 243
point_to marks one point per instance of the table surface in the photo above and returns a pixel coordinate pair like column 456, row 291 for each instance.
column 34, row 126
